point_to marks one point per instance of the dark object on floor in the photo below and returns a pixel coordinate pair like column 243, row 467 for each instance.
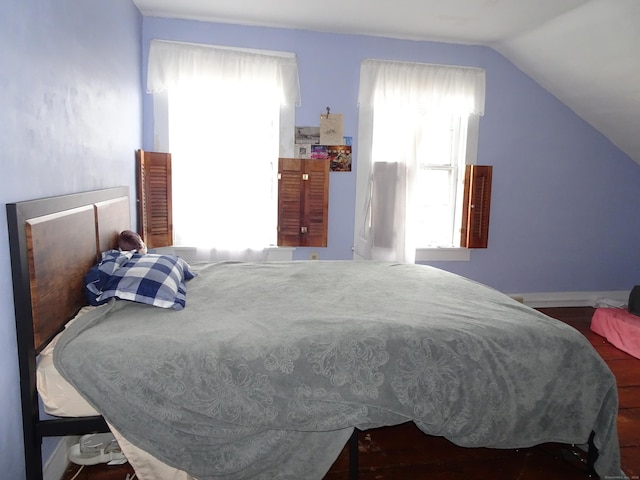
column 634, row 301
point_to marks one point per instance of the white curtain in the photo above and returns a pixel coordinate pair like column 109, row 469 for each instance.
column 393, row 99
column 224, row 111
column 172, row 64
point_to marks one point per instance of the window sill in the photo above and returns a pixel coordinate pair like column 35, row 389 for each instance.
column 279, row 254
column 192, row 254
column 443, row 255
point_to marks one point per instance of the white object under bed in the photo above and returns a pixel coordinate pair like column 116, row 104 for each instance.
column 60, row 399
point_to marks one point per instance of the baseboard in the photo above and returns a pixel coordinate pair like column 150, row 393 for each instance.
column 572, row 299
column 57, row 463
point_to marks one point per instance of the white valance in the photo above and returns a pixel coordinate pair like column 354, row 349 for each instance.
column 422, row 85
column 172, row 64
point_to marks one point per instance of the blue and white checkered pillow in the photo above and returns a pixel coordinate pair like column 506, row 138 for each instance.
column 153, row 279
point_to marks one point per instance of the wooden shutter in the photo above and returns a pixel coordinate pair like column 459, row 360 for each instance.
column 303, row 202
column 289, row 201
column 155, row 222
column 476, row 206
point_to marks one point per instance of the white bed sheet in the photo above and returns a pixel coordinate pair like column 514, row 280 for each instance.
column 60, row 399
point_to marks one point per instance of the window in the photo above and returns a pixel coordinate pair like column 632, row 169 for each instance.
column 221, row 113
column 417, row 132
column 218, row 175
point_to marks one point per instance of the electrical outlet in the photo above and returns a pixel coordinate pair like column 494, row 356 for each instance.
column 314, row 256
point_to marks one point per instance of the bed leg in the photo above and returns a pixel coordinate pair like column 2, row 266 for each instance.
column 353, row 455
column 592, row 456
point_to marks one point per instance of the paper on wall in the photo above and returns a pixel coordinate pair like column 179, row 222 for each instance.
column 331, row 129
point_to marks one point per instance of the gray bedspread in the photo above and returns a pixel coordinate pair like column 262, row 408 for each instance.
column 269, row 367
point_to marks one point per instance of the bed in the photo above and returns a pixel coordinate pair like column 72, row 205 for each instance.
column 271, row 367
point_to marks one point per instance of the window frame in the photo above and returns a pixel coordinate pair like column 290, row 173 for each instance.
column 454, row 165
column 456, row 254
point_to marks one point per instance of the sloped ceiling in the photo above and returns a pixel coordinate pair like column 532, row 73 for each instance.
column 585, row 52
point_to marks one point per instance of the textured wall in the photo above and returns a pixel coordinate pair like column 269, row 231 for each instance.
column 70, row 117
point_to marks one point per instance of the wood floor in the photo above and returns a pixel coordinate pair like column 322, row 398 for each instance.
column 404, row 453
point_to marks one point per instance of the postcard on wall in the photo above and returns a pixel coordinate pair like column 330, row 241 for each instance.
column 308, row 135
column 302, row 150
column 331, row 128
column 319, row 151
column 339, row 158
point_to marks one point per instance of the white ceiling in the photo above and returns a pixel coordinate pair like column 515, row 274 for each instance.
column 585, row 52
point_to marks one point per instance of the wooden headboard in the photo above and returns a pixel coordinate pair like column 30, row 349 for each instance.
column 53, row 243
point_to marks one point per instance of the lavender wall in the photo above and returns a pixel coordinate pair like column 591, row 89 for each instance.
column 564, row 198
column 71, row 116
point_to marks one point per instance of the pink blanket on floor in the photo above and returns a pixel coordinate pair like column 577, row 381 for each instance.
column 619, row 327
